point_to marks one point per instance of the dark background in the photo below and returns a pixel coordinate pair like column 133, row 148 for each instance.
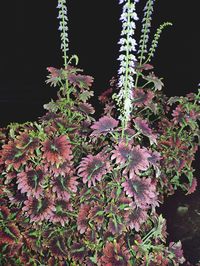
column 30, row 43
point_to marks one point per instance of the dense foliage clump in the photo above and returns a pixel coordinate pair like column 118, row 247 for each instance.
column 79, row 191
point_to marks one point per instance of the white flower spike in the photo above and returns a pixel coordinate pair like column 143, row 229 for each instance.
column 127, row 60
column 62, row 16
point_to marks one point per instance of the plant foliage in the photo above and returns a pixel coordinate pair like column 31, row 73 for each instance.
column 79, row 191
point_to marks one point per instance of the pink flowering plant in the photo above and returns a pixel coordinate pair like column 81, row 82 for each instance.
column 79, row 191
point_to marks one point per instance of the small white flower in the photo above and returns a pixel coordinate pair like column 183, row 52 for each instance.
column 131, row 64
column 123, row 64
column 121, row 57
column 60, row 28
column 132, row 25
column 121, row 70
column 123, row 48
column 130, row 78
column 132, row 41
column 131, row 32
column 124, row 17
column 131, row 84
column 122, row 41
column 134, row 16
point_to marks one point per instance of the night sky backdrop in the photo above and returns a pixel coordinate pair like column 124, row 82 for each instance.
column 30, row 43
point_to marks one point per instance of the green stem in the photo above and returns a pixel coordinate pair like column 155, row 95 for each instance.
column 67, row 90
column 146, row 84
column 123, row 128
column 146, row 237
column 181, row 130
column 148, row 60
column 136, row 80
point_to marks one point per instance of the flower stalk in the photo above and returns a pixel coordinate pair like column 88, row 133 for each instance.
column 146, row 25
column 63, row 28
column 156, row 38
column 127, row 62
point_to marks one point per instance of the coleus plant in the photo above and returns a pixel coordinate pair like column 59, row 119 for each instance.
column 80, row 191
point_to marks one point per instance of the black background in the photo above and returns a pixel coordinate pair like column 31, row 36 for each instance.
column 30, row 43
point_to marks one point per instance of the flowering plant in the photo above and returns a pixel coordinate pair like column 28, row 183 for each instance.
column 80, row 191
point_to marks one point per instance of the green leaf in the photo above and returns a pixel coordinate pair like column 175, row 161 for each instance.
column 158, row 84
column 119, row 190
column 51, row 106
column 123, row 206
column 190, row 177
column 99, row 213
column 4, row 247
column 94, row 259
column 34, row 233
column 173, row 100
column 84, row 96
column 53, row 80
